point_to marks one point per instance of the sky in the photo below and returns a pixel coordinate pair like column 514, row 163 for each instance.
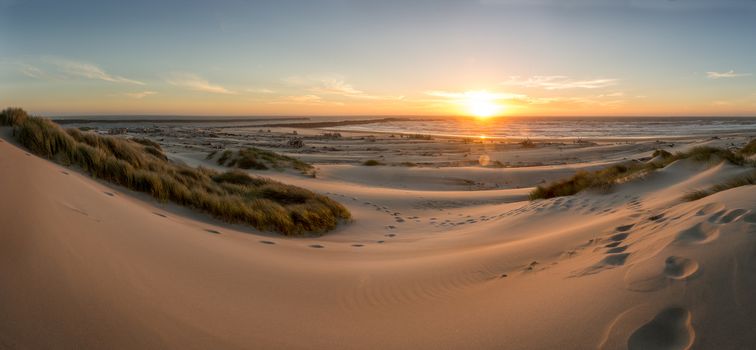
column 360, row 57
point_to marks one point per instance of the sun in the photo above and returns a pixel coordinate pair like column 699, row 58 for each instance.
column 482, row 104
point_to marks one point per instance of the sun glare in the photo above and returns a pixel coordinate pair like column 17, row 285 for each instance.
column 482, row 104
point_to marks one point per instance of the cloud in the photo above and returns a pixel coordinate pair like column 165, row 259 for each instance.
column 558, row 82
column 32, row 71
column 305, row 100
column 194, row 82
column 260, row 91
column 140, row 94
column 727, row 74
column 89, row 71
column 610, row 100
column 334, row 85
column 466, row 94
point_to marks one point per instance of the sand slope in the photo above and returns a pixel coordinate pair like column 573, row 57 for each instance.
column 86, row 265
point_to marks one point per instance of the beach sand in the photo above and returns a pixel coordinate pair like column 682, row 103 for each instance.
column 437, row 256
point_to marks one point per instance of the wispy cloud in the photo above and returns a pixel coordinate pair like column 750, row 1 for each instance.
column 32, row 71
column 140, row 94
column 727, row 74
column 194, row 82
column 558, row 82
column 305, row 100
column 334, row 85
column 463, row 95
column 609, row 100
column 260, row 91
column 89, row 71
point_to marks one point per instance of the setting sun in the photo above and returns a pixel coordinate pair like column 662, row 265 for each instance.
column 482, row 104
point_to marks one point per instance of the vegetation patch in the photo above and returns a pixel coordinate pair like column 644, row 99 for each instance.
column 259, row 159
column 745, row 180
column 232, row 196
column 749, row 149
column 605, row 178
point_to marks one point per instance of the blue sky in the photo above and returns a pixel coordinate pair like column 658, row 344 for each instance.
column 542, row 57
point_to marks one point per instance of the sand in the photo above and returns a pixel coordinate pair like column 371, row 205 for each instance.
column 436, row 258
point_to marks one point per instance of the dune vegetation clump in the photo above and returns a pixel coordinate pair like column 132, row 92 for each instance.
column 141, row 166
column 744, row 180
column 371, row 162
column 260, row 159
column 605, row 178
column 749, row 149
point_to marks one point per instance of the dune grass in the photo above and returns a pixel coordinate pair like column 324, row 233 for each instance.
column 260, row 159
column 605, row 178
column 749, row 149
column 140, row 165
column 744, row 180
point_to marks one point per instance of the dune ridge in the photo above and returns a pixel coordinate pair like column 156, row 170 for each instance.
column 111, row 268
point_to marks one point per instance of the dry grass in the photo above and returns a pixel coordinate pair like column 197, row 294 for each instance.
column 137, row 164
column 604, row 179
column 749, row 148
column 260, row 159
column 744, row 180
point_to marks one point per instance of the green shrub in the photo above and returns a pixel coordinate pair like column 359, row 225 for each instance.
column 140, row 165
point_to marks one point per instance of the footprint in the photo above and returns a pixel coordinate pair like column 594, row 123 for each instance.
column 616, row 249
column 391, row 235
column 709, row 208
column 160, row 215
column 732, row 215
column 714, row 217
column 109, row 194
column 316, row 246
column 750, row 218
column 267, row 242
column 212, row 231
column 679, row 268
column 615, row 259
column 358, row 245
column 670, row 329
column 698, row 234
column 624, row 228
column 618, row 237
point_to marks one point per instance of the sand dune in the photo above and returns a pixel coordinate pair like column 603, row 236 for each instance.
column 88, row 265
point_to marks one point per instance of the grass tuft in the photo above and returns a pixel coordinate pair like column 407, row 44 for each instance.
column 260, row 159
column 749, row 149
column 744, row 180
column 140, row 165
column 604, row 179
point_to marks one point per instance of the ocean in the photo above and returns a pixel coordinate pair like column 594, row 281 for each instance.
column 566, row 128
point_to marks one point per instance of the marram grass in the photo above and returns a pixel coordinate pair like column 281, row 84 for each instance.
column 140, row 165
